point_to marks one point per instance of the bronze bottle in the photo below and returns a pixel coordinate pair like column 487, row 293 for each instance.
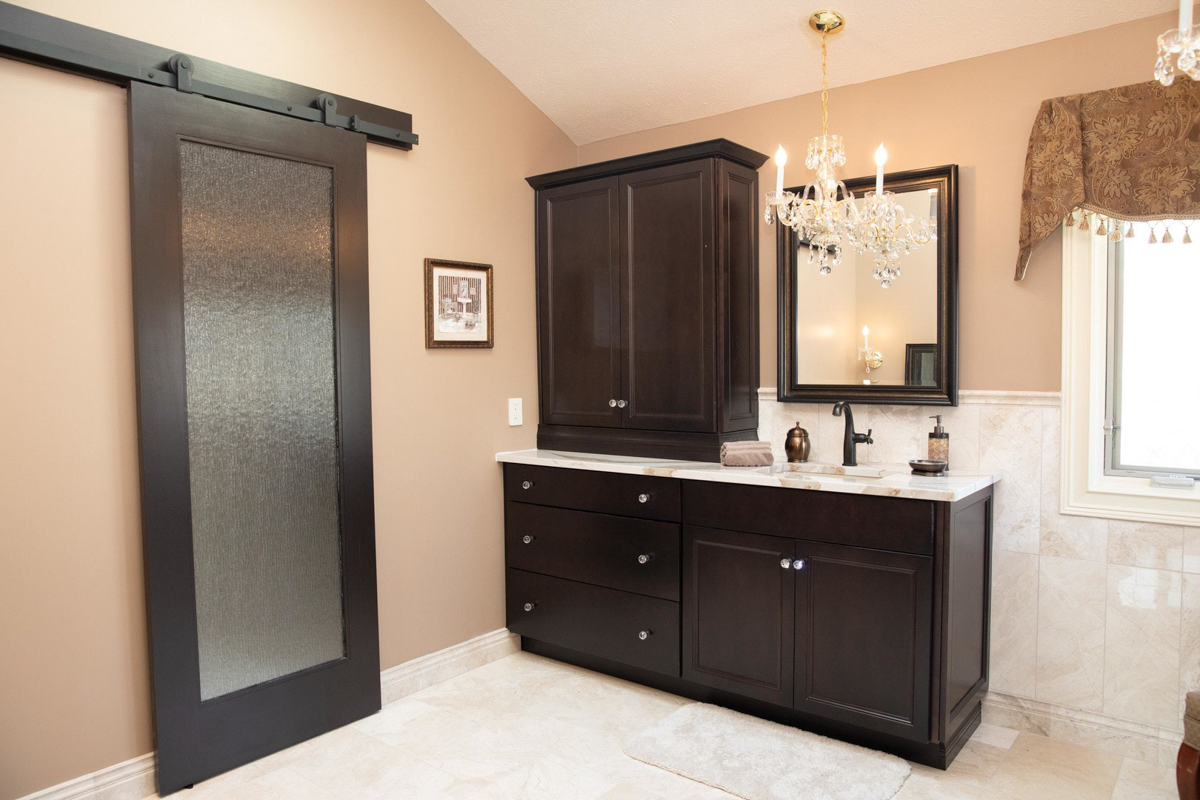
column 797, row 445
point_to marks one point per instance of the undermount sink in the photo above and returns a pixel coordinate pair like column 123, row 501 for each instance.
column 817, row 468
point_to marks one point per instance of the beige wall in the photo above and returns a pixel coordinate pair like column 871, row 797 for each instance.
column 74, row 692
column 976, row 114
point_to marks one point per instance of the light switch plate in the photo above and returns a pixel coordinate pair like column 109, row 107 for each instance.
column 514, row 411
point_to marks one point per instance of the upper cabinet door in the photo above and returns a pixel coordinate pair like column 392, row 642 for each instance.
column 668, row 285
column 579, row 304
column 863, row 623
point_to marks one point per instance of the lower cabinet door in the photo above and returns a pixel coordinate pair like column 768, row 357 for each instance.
column 863, row 625
column 620, row 626
column 738, row 607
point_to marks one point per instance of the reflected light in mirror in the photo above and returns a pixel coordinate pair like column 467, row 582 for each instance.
column 834, row 309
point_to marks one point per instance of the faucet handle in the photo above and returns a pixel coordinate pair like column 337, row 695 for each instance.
column 869, row 440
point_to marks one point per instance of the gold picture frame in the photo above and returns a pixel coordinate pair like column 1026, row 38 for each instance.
column 458, row 304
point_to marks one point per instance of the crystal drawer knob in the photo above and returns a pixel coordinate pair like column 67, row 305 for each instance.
column 643, row 635
column 644, row 558
column 612, row 403
column 786, row 563
column 643, row 498
column 527, row 539
column 530, row 606
column 620, row 404
column 526, row 484
column 798, row 563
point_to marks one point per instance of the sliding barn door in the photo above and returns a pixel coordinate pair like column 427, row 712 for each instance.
column 250, row 295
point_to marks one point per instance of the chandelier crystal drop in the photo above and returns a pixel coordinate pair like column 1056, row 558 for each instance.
column 1179, row 49
column 825, row 216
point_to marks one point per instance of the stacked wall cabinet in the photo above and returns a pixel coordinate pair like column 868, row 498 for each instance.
column 648, row 303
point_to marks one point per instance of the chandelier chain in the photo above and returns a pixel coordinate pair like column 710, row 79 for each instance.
column 824, row 90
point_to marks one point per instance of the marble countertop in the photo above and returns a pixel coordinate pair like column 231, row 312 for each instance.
column 897, row 481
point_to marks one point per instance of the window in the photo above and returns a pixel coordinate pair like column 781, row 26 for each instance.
column 1153, row 377
column 1131, row 389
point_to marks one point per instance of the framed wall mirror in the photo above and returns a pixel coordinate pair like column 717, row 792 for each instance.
column 844, row 336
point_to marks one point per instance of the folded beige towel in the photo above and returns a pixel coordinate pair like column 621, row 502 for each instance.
column 736, row 446
column 746, row 454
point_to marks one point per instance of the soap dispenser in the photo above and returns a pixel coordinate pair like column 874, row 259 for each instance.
column 939, row 442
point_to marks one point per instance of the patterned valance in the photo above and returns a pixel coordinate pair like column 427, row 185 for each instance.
column 1131, row 153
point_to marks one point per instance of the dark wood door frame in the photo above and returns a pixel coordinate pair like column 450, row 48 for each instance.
column 196, row 740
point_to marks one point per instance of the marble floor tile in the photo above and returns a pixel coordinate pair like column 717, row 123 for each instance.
column 1142, row 773
column 1142, row 641
column 527, row 728
column 1037, row 768
column 1070, row 645
column 995, row 735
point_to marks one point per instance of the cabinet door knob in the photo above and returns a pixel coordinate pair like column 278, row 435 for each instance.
column 798, row 563
column 643, row 498
column 612, row 403
column 620, row 404
column 526, row 484
column 527, row 539
column 786, row 563
column 644, row 635
column 644, row 558
column 530, row 606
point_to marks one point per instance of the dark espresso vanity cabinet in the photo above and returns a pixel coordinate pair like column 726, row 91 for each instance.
column 647, row 302
column 856, row 616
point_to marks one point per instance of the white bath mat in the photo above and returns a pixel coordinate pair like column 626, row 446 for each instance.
column 760, row 760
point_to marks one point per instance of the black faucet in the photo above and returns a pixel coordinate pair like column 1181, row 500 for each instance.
column 849, row 456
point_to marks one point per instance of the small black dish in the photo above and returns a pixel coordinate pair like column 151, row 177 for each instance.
column 931, row 467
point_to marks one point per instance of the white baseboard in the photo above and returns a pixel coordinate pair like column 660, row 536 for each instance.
column 129, row 780
column 134, row 779
column 1086, row 728
column 413, row 676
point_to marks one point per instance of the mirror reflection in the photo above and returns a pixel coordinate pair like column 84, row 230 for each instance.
column 850, row 329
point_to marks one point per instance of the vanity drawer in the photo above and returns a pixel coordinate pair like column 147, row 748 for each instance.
column 634, row 555
column 595, row 620
column 607, row 492
column 883, row 523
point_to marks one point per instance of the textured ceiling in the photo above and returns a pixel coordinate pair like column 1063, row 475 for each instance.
column 602, row 68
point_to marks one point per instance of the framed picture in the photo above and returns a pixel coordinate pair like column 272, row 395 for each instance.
column 458, row 304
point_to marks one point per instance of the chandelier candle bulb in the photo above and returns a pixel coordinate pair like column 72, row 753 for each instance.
column 866, row 332
column 880, row 160
column 780, row 160
column 1185, row 18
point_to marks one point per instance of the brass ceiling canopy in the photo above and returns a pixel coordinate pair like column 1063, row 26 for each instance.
column 826, row 22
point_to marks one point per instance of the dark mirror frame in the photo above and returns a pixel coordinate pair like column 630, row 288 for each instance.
column 945, row 392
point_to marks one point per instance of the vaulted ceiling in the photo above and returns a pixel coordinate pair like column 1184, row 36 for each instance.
column 602, row 68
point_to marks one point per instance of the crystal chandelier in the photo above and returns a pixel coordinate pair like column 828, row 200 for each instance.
column 825, row 215
column 1180, row 44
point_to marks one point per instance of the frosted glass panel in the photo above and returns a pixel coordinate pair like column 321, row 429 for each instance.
column 262, row 415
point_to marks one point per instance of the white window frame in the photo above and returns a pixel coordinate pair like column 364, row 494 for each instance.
column 1086, row 489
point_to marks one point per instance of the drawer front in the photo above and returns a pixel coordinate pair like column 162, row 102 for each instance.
column 609, row 493
column 634, row 555
column 881, row 523
column 595, row 620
